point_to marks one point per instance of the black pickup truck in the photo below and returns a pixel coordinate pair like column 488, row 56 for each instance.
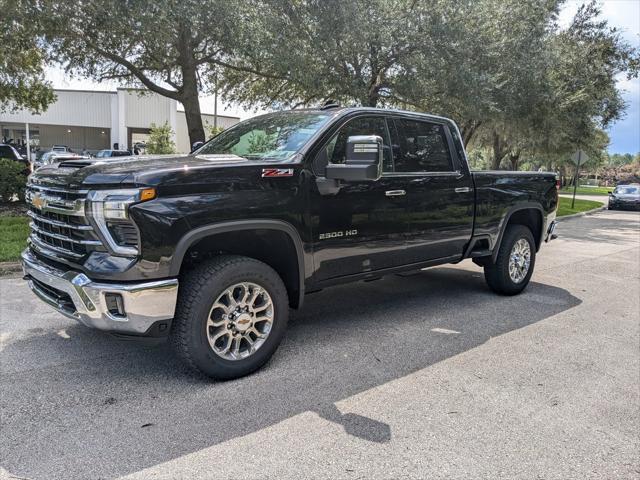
column 213, row 248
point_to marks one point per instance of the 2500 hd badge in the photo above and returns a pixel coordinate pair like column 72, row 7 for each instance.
column 347, row 233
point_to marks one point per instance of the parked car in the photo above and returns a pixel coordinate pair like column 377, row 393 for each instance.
column 9, row 152
column 212, row 249
column 113, row 153
column 60, row 148
column 625, row 197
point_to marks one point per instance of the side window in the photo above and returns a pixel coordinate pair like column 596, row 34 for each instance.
column 6, row 152
column 423, row 147
column 334, row 151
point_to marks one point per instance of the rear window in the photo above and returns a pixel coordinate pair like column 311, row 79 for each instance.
column 423, row 147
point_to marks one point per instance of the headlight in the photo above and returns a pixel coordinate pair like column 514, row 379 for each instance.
column 109, row 211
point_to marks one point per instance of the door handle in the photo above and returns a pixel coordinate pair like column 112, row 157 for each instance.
column 395, row 193
column 462, row 190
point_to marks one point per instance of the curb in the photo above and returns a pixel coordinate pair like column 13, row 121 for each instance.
column 581, row 214
column 10, row 269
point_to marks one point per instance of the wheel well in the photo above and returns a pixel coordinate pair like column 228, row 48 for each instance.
column 273, row 247
column 529, row 217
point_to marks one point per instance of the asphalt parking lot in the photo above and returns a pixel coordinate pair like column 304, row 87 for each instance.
column 422, row 376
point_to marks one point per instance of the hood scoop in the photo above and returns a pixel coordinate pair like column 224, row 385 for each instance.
column 222, row 158
column 76, row 163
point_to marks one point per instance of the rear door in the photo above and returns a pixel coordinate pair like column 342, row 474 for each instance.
column 439, row 189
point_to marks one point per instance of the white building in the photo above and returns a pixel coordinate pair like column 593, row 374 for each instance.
column 96, row 120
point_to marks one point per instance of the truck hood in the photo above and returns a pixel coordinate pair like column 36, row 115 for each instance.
column 143, row 170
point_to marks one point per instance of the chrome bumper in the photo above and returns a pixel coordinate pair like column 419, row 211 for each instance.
column 76, row 296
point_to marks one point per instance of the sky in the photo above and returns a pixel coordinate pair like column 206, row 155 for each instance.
column 622, row 14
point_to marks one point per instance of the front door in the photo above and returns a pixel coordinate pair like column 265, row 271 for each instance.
column 357, row 227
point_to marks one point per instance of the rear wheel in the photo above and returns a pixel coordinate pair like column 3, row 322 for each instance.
column 511, row 272
column 231, row 315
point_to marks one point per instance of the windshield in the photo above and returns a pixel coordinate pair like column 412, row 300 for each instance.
column 276, row 136
column 626, row 190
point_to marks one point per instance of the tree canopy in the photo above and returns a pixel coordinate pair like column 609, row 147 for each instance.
column 22, row 82
column 171, row 47
column 517, row 83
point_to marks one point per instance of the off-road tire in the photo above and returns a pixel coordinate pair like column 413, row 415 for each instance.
column 497, row 274
column 199, row 289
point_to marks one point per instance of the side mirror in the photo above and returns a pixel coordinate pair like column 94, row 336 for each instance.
column 363, row 162
column 196, row 146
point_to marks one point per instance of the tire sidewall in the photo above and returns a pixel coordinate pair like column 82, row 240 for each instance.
column 202, row 353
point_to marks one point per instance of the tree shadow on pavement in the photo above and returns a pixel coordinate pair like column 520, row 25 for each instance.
column 89, row 403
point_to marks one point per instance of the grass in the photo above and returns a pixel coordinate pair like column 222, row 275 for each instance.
column 13, row 237
column 580, row 206
column 588, row 190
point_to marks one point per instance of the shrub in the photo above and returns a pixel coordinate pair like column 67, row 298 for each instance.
column 12, row 180
column 213, row 131
column 160, row 139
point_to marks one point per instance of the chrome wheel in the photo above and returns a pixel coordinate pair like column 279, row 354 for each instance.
column 519, row 260
column 240, row 321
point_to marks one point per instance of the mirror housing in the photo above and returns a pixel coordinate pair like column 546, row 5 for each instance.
column 196, row 145
column 363, row 160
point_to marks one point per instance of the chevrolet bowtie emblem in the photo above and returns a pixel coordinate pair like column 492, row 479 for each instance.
column 37, row 201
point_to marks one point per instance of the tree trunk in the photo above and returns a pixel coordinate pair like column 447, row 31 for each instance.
column 514, row 158
column 194, row 119
column 372, row 97
column 499, row 151
column 468, row 131
column 189, row 90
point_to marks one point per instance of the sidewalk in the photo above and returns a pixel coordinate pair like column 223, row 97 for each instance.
column 596, row 198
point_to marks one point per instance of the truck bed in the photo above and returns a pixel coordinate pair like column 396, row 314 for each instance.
column 497, row 192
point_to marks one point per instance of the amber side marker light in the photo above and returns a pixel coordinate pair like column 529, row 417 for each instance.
column 147, row 194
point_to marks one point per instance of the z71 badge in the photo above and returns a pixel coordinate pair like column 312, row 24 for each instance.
column 277, row 172
column 346, row 233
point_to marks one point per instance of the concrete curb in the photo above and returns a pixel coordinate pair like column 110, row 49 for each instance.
column 581, row 214
column 10, row 269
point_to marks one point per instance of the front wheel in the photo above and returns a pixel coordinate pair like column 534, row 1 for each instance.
column 511, row 272
column 231, row 315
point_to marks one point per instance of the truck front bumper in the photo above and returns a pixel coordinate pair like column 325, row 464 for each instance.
column 144, row 308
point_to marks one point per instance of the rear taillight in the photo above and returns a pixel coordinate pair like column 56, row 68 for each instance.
column 557, row 183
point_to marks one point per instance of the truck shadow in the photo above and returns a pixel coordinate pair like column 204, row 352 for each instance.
column 116, row 408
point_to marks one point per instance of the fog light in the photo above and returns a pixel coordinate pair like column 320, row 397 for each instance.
column 115, row 304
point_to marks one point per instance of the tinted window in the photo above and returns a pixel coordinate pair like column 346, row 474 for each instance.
column 423, row 147
column 335, row 150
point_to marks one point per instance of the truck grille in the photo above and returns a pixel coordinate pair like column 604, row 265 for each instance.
column 59, row 227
